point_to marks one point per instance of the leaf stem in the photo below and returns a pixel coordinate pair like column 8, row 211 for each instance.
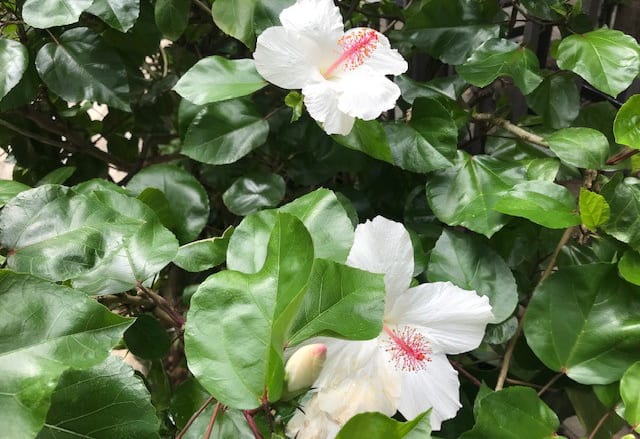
column 53, row 37
column 202, row 6
column 161, row 302
column 194, row 416
column 511, row 127
column 550, row 383
column 460, row 368
column 599, row 424
column 212, row 421
column 252, row 424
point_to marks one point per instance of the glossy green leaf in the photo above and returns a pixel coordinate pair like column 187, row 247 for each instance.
column 9, row 189
column 102, row 241
column 590, row 410
column 216, row 79
column 581, row 147
column 451, row 30
column 147, row 338
column 629, row 266
column 497, row 58
column 469, row 263
column 47, row 328
column 322, row 214
column 237, row 323
column 448, row 87
column 510, row 412
column 50, row 13
column 594, row 210
column 606, row 58
column 158, row 202
column 584, row 321
column 82, row 67
column 552, row 10
column 204, row 254
column 119, row 14
column 246, row 19
column 188, row 199
column 342, row 302
column 103, row 402
column 556, row 100
column 373, row 425
column 630, row 392
column 253, row 192
column 623, row 198
column 466, row 193
column 172, row 17
column 57, row 176
column 543, row 169
column 542, row 202
column 626, row 126
column 368, row 136
column 225, row 132
column 14, row 59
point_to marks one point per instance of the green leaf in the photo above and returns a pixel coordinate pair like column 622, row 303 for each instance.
column 172, row 17
column 367, row 136
column 589, row 410
column 225, row 132
column 322, row 214
column 342, row 302
column 497, row 58
column 249, row 314
column 448, row 87
column 188, row 199
column 216, row 79
column 626, row 126
column 101, row 241
column 9, row 189
column 542, row 202
column 14, row 58
column 466, row 193
column 510, row 412
column 230, row 424
column 50, row 13
column 451, row 29
column 246, row 19
column 543, row 169
column 46, row 328
column 103, row 402
column 629, row 266
column 158, row 202
column 373, row 425
column 119, row 14
column 253, row 192
column 584, row 321
column 556, row 100
column 204, row 254
column 581, row 147
column 147, row 338
column 607, row 59
column 57, row 176
column 552, row 10
column 468, row 262
column 82, row 67
column 630, row 392
column 594, row 209
column 623, row 198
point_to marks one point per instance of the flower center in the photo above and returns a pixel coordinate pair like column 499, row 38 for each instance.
column 409, row 350
column 356, row 46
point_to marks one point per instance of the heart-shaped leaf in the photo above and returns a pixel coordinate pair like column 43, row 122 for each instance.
column 253, row 192
column 626, row 126
column 14, row 59
column 581, row 147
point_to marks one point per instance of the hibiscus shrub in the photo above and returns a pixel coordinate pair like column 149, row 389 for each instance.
column 318, row 219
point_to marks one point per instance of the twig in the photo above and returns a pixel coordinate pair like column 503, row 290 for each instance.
column 53, row 37
column 193, row 417
column 599, row 424
column 202, row 6
column 512, row 128
column 252, row 424
column 460, row 368
column 212, row 421
column 563, row 240
column 550, row 383
column 621, row 156
column 161, row 302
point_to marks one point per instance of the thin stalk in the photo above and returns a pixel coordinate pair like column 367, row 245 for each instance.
column 193, row 417
column 212, row 421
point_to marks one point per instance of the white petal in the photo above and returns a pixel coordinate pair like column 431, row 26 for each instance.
column 453, row 319
column 436, row 387
column 318, row 19
column 312, row 423
column 321, row 100
column 285, row 58
column 356, row 378
column 365, row 94
column 383, row 60
column 383, row 246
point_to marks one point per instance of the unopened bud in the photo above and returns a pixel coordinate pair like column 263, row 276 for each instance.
column 304, row 366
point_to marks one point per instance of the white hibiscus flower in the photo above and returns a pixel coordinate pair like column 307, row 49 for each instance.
column 341, row 74
column 405, row 368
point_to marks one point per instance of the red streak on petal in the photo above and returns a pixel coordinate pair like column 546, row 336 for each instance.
column 357, row 46
column 408, row 348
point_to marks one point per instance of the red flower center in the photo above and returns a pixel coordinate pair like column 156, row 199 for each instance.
column 409, row 350
column 356, row 46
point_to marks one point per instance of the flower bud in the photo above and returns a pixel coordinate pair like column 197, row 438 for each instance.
column 304, row 366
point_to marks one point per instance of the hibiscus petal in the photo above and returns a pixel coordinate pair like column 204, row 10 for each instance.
column 311, row 423
column 453, row 319
column 436, row 387
column 285, row 58
column 318, row 19
column 365, row 94
column 383, row 246
column 383, row 60
column 321, row 100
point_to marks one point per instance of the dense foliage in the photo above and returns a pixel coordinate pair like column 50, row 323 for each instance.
column 199, row 220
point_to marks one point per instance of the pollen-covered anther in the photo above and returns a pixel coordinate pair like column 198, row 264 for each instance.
column 357, row 46
column 409, row 349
